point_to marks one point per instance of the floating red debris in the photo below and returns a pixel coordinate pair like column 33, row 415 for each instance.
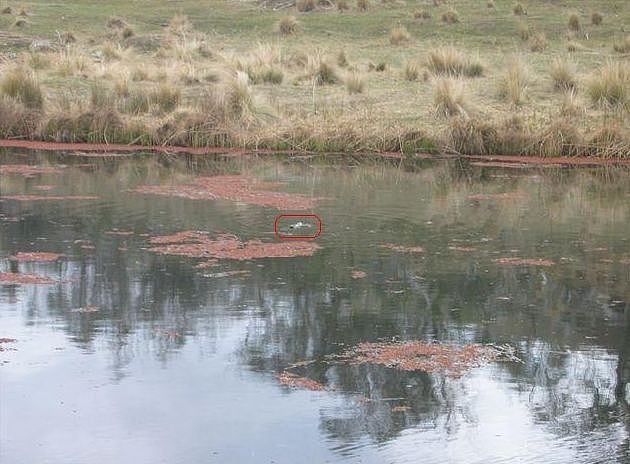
column 48, row 197
column 194, row 244
column 420, row 356
column 403, row 249
column 28, row 170
column 44, row 188
column 238, row 188
column 294, row 381
column 358, row 274
column 35, row 256
column 514, row 261
column 11, row 278
column 498, row 196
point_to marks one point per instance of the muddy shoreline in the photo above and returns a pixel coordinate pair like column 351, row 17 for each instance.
column 490, row 160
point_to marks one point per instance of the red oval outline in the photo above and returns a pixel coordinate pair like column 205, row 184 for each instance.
column 280, row 236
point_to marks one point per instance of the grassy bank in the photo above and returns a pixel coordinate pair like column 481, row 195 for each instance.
column 496, row 77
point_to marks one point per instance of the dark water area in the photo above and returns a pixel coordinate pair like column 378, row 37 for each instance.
column 133, row 356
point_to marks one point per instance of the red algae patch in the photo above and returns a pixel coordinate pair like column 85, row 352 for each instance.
column 243, row 189
column 11, row 278
column 514, row 261
column 359, row 274
column 294, row 381
column 403, row 249
column 28, row 170
column 38, row 256
column 497, row 196
column 48, row 197
column 194, row 244
column 451, row 360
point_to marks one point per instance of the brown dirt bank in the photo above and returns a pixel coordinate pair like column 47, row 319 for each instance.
column 495, row 160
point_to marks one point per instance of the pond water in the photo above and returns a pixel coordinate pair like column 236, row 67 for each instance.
column 130, row 355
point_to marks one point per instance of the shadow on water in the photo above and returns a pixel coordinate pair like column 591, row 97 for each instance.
column 568, row 321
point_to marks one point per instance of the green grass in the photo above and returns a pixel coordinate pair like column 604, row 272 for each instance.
column 206, row 39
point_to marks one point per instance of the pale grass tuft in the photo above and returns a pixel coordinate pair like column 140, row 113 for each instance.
column 287, row 25
column 623, row 46
column 538, row 42
column 563, row 75
column 570, row 105
column 449, row 98
column 450, row 16
column 451, row 62
column 574, row 22
column 421, row 14
column 355, row 83
column 342, row 5
column 610, row 86
column 399, row 35
column 596, row 18
column 513, row 82
column 363, row 5
column 305, row 5
column 523, row 31
column 519, row 9
column 411, row 71
column 22, row 86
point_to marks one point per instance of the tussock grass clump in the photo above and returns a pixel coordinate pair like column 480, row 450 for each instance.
column 538, row 42
column 136, row 102
column 139, row 74
column 399, row 35
column 513, row 82
column 519, row 9
column 20, row 22
column 450, row 16
column 596, row 18
column 471, row 136
column 342, row 60
column 523, row 31
column 265, row 74
column 7, row 10
column 363, row 5
column 490, row 4
column 115, row 22
column 449, row 98
column 562, row 138
column 570, row 105
column 325, row 73
column 411, row 71
column 287, row 25
column 574, row 22
column 610, row 141
column 342, row 5
column 180, row 25
column 22, row 86
column 166, row 96
column 623, row 46
column 121, row 86
column 111, row 52
column 451, row 62
column 563, row 75
column 16, row 120
column 610, row 86
column 39, row 61
column 573, row 47
column 101, row 97
column 421, row 14
column 355, row 83
column 305, row 5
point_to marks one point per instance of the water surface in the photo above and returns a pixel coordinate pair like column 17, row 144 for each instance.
column 179, row 364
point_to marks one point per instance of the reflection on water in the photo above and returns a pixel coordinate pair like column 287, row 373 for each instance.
column 137, row 357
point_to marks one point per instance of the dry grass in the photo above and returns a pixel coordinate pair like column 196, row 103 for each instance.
column 399, row 35
column 512, row 84
column 610, row 86
column 167, row 96
column 596, row 18
column 342, row 5
column 287, row 25
column 355, row 83
column 523, row 31
column 538, row 42
column 490, row 4
column 563, row 75
column 519, row 9
column 623, row 46
column 21, row 85
column 451, row 62
column 570, row 105
column 305, row 5
column 450, row 16
column 363, row 5
column 411, row 71
column 421, row 14
column 574, row 22
column 449, row 97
